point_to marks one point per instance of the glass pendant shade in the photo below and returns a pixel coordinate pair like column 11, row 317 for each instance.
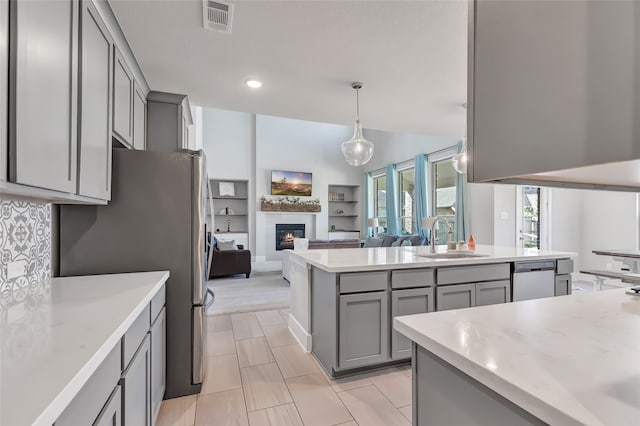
column 459, row 160
column 357, row 151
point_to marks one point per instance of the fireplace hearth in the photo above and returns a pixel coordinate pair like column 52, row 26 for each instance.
column 286, row 232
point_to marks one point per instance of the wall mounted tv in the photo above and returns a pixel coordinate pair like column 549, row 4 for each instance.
column 290, row 183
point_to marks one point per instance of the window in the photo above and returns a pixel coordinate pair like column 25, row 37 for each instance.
column 407, row 200
column 380, row 200
column 529, row 206
column 444, row 197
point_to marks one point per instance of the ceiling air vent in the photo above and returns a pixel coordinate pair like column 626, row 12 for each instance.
column 217, row 15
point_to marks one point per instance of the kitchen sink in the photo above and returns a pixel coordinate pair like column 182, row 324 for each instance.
column 452, row 255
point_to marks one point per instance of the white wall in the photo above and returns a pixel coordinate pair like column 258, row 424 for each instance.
column 566, row 222
column 228, row 143
column 504, row 214
column 479, row 207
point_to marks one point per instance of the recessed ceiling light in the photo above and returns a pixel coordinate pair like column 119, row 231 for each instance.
column 253, row 83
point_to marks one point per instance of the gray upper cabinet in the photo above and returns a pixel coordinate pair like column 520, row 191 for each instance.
column 123, row 95
column 4, row 67
column 43, row 94
column 139, row 119
column 551, row 85
column 168, row 121
column 408, row 302
column 95, row 105
column 136, row 387
column 363, row 329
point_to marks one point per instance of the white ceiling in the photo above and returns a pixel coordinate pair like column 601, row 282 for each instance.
column 410, row 55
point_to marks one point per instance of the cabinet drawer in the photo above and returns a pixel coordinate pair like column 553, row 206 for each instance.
column 157, row 303
column 493, row 292
column 412, row 278
column 564, row 266
column 134, row 336
column 88, row 403
column 469, row 274
column 363, row 281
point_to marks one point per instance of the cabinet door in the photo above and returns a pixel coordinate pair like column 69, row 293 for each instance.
column 111, row 414
column 123, row 84
column 408, row 302
column 4, row 67
column 493, row 292
column 136, row 388
column 455, row 296
column 95, row 105
column 43, row 99
column 363, row 329
column 139, row 119
column 563, row 285
column 158, row 363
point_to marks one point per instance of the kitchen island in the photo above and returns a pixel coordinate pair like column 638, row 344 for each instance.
column 76, row 348
column 559, row 361
column 343, row 300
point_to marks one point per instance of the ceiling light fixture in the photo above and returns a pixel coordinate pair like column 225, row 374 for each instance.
column 357, row 150
column 460, row 160
column 253, row 83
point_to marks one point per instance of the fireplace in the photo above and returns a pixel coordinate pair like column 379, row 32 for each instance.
column 286, row 232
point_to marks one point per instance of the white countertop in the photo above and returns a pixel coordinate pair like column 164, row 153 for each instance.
column 55, row 335
column 371, row 259
column 568, row 360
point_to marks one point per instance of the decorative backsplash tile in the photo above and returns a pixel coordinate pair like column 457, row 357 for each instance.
column 25, row 237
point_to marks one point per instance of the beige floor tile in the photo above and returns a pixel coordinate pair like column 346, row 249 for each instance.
column 217, row 323
column 220, row 343
column 253, row 352
column 222, row 373
column 269, row 318
column 282, row 415
column 178, row 411
column 348, row 424
column 406, row 369
column 284, row 313
column 395, row 385
column 279, row 335
column 243, row 316
column 407, row 412
column 370, row 407
column 264, row 387
column 222, row 408
column 317, row 402
column 351, row 382
column 293, row 361
column 246, row 328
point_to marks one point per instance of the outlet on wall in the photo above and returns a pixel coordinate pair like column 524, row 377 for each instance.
column 504, row 215
column 16, row 269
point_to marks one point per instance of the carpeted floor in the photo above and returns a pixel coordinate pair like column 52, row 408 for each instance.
column 264, row 290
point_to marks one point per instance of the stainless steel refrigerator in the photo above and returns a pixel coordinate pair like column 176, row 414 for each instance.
column 154, row 221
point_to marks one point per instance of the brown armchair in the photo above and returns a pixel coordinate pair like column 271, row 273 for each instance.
column 230, row 262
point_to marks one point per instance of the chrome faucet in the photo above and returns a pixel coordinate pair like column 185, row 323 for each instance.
column 432, row 235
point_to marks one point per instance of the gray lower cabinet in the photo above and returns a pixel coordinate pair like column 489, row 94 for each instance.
column 493, row 292
column 43, row 77
column 123, row 94
column 563, row 285
column 363, row 329
column 136, row 388
column 158, row 362
column 408, row 302
column 95, row 105
column 455, row 296
column 111, row 414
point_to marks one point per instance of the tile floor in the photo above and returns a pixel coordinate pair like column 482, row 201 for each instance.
column 260, row 376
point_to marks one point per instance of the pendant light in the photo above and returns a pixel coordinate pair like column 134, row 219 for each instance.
column 460, row 160
column 357, row 150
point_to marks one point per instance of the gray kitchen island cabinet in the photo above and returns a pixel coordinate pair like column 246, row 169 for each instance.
column 563, row 285
column 363, row 331
column 493, row 292
column 456, row 296
column 95, row 105
column 111, row 414
column 43, row 94
column 408, row 302
column 136, row 388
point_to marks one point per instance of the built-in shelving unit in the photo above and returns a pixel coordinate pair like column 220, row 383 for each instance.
column 230, row 212
column 344, row 211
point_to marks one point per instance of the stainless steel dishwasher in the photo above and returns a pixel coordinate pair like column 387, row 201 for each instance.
column 533, row 280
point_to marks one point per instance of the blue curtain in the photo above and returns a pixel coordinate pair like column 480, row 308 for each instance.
column 421, row 192
column 461, row 192
column 368, row 200
column 393, row 223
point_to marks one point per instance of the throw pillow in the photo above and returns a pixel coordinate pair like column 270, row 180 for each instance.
column 397, row 242
column 227, row 245
column 417, row 240
column 388, row 240
column 373, row 242
column 406, row 243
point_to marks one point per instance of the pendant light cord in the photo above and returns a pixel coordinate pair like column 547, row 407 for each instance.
column 358, row 105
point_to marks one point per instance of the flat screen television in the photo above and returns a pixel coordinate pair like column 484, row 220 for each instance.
column 290, row 183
